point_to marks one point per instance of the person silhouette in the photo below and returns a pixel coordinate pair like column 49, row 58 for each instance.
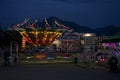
column 113, row 64
column 15, row 59
column 7, row 56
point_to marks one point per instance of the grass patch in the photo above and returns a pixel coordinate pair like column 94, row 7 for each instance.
column 44, row 61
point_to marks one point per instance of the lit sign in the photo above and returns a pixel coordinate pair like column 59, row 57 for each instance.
column 118, row 52
column 112, row 45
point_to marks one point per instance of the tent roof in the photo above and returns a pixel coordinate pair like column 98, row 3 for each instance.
column 112, row 39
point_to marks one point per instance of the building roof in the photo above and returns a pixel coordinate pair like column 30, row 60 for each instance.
column 115, row 38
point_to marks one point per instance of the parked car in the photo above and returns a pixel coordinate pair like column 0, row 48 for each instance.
column 106, row 55
column 101, row 58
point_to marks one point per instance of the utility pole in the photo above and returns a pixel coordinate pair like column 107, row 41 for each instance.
column 11, row 48
column 67, row 47
column 16, row 49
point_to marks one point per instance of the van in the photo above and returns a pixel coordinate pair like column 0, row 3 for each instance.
column 113, row 53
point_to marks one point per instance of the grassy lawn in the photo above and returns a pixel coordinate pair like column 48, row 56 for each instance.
column 42, row 59
column 58, row 59
column 34, row 60
column 45, row 61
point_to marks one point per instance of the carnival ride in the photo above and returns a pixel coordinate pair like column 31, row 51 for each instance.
column 34, row 34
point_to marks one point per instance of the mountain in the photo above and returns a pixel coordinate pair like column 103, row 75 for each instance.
column 75, row 26
column 107, row 30
column 54, row 22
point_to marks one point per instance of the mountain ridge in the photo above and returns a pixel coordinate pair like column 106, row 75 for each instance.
column 105, row 30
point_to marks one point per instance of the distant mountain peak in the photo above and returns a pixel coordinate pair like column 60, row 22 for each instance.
column 55, row 22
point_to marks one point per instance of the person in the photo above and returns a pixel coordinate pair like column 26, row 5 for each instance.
column 15, row 59
column 76, row 60
column 0, row 55
column 98, row 55
column 113, row 64
column 0, row 52
column 7, row 56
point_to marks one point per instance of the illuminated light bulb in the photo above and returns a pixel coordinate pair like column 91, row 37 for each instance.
column 88, row 35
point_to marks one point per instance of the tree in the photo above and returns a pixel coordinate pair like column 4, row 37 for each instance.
column 1, row 32
column 11, row 36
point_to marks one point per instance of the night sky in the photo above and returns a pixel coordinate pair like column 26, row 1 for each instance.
column 92, row 13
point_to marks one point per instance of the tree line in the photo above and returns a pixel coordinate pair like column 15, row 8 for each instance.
column 8, row 36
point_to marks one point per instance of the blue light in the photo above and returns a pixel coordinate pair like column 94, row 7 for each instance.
column 118, row 52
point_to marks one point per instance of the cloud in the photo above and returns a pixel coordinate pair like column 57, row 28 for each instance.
column 86, row 12
column 11, row 2
column 75, row 0
column 90, row 1
column 15, row 2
